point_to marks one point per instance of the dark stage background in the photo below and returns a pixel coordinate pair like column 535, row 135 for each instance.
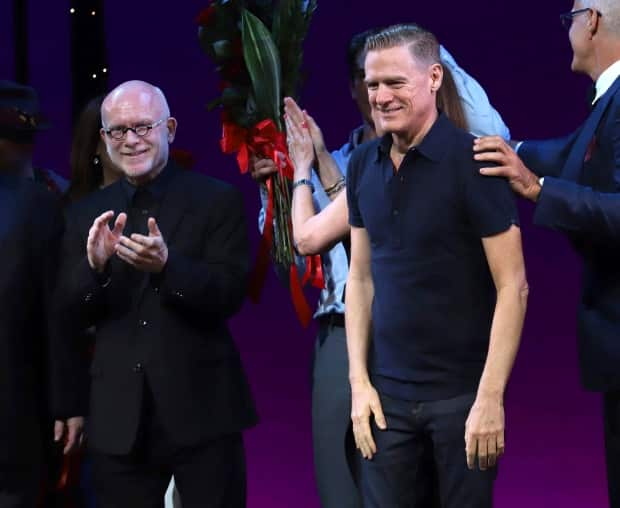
column 521, row 55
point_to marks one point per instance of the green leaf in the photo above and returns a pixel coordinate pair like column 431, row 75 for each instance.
column 263, row 64
column 290, row 27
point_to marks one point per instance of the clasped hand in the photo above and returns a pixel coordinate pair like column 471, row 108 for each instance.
column 145, row 253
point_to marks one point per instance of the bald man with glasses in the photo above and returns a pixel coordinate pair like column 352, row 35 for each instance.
column 158, row 262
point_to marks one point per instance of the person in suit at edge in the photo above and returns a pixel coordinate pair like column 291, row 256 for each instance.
column 158, row 261
column 575, row 183
column 37, row 392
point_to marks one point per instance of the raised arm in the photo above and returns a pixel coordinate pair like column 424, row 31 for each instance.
column 313, row 232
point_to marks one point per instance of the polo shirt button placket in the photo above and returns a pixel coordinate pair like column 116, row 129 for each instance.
column 417, row 410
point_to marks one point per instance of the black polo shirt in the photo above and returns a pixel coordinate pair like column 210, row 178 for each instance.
column 434, row 296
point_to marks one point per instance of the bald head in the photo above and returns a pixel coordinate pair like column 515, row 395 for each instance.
column 135, row 92
column 131, row 105
column 610, row 14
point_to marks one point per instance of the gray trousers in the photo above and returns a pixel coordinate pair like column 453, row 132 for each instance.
column 334, row 454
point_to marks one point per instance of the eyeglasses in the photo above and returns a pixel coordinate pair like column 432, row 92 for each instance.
column 567, row 18
column 139, row 130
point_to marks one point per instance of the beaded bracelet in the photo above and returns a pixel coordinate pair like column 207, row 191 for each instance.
column 303, row 181
column 332, row 187
column 336, row 188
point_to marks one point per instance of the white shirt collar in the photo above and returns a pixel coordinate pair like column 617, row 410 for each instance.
column 606, row 79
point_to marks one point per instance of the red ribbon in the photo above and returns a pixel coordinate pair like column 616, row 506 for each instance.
column 265, row 140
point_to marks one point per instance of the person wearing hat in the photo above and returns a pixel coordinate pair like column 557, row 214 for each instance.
column 20, row 121
column 37, row 387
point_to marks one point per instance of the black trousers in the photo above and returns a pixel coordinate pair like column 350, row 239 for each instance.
column 611, row 415
column 398, row 475
column 209, row 475
column 336, row 461
column 20, row 485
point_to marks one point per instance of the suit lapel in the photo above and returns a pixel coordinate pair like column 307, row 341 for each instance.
column 574, row 162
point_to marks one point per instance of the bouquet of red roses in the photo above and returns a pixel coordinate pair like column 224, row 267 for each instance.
column 257, row 48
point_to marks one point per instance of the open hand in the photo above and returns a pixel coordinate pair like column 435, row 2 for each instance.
column 144, row 253
column 72, row 431
column 102, row 240
column 495, row 149
column 301, row 149
column 364, row 402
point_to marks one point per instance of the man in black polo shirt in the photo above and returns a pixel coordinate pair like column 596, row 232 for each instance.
column 437, row 272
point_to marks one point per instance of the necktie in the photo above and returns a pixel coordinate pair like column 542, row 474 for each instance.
column 591, row 95
column 141, row 209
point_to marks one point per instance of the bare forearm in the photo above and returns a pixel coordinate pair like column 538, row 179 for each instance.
column 302, row 210
column 328, row 171
column 317, row 233
column 358, row 319
column 505, row 338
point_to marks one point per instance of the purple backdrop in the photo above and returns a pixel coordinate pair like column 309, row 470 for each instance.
column 521, row 56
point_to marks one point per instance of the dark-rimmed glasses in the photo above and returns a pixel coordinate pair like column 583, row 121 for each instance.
column 119, row 133
column 567, row 18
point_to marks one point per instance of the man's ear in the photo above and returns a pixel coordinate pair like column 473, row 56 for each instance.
column 436, row 74
column 593, row 23
column 171, row 124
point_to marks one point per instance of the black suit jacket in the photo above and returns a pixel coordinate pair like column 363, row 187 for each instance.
column 581, row 198
column 36, row 369
column 173, row 334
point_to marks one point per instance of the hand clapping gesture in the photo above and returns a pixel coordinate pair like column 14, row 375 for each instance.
column 102, row 240
column 300, row 146
column 144, row 253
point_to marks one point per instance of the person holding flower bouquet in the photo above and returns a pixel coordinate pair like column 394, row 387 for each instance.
column 327, row 233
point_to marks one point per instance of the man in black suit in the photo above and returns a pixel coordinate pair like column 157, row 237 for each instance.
column 576, row 188
column 158, row 262
column 37, row 367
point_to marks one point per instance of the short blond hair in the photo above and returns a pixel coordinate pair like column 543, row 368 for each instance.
column 423, row 45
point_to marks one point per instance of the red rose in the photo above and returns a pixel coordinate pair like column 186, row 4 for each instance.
column 222, row 85
column 237, row 47
column 206, row 16
column 232, row 70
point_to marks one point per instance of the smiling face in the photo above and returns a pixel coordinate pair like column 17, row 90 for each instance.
column 132, row 104
column 401, row 90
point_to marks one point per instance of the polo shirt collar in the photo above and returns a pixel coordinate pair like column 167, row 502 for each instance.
column 432, row 146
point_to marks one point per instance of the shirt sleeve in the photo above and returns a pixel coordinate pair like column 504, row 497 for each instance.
column 490, row 203
column 482, row 118
column 353, row 174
